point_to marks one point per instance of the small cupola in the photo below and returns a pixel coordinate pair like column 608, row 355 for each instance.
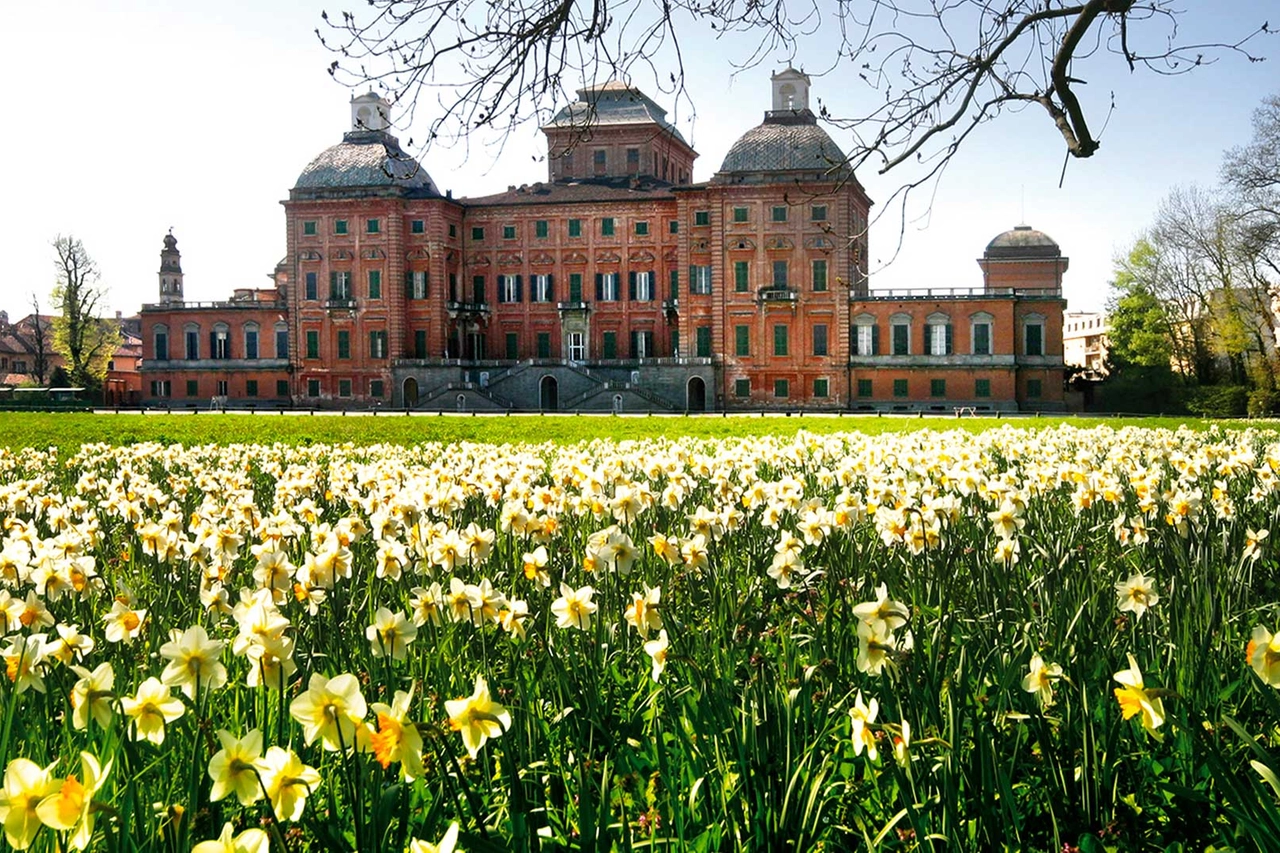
column 370, row 111
column 790, row 91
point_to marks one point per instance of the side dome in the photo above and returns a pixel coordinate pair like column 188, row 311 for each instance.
column 365, row 159
column 783, row 146
column 1023, row 241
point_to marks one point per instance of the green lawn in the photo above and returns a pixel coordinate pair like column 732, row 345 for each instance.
column 69, row 430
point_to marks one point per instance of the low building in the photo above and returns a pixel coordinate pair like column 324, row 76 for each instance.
column 616, row 284
column 1084, row 342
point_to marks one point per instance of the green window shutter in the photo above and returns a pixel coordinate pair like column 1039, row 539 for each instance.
column 675, row 284
column 333, row 284
column 899, row 387
column 599, row 287
column 820, row 388
column 420, row 343
column 937, row 387
column 313, row 343
column 982, row 388
column 513, row 346
column 742, row 387
column 864, row 388
column 742, row 340
column 1035, row 339
column 375, row 283
column 344, row 344
column 704, row 342
column 819, row 276
column 820, row 339
column 575, row 287
column 779, row 340
column 950, row 339
column 781, row 388
column 610, row 345
column 740, row 276
column 631, row 285
column 875, row 339
column 540, row 228
column 1034, row 388
column 519, row 288
column 982, row 339
column 544, row 345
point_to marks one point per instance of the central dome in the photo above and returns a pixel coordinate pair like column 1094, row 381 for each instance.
column 365, row 159
column 784, row 145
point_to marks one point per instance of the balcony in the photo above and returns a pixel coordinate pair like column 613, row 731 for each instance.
column 670, row 306
column 474, row 309
column 776, row 295
column 340, row 304
column 579, row 306
column 910, row 293
column 237, row 304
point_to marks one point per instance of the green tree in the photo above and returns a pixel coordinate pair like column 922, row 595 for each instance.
column 84, row 339
column 1138, row 328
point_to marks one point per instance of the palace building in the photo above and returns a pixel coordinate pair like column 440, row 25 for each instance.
column 617, row 284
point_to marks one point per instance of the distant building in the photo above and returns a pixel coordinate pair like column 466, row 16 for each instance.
column 20, row 355
column 618, row 284
column 1084, row 341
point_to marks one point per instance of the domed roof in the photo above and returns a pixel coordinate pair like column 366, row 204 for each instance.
column 1023, row 241
column 365, row 159
column 784, row 146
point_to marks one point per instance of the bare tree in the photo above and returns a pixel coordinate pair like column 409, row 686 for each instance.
column 84, row 339
column 1252, row 173
column 41, row 344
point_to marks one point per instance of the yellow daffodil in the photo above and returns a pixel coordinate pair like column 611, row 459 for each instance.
column 123, row 623
column 448, row 844
column 330, row 710
column 862, row 716
column 397, row 737
column 26, row 785
column 390, row 634
column 477, row 717
column 643, row 614
column 249, row 841
column 91, row 696
column 287, row 782
column 1263, row 654
column 882, row 615
column 512, row 617
column 874, row 646
column 1136, row 593
column 24, row 662
column 70, row 808
column 1135, row 699
column 574, row 607
column 657, row 651
column 150, row 709
column 236, row 767
column 194, row 661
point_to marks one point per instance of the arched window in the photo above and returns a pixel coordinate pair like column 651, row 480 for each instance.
column 980, row 325
column 1033, row 334
column 160, row 339
column 866, row 335
column 938, row 334
column 282, row 340
column 220, row 341
column 900, row 324
column 191, row 337
column 250, row 340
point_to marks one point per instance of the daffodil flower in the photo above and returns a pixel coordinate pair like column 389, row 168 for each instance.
column 249, row 841
column 236, row 767
column 1135, row 699
column 194, row 661
column 862, row 716
column 330, row 710
column 70, row 808
column 477, row 717
column 151, row 708
column 26, row 785
column 1039, row 680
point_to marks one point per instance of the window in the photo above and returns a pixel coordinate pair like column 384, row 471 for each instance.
column 311, row 286
column 742, row 387
column 160, row 388
column 780, row 333
column 700, row 279
column 1034, row 338
column 901, row 335
column 544, row 344
column 251, row 387
column 609, row 345
column 477, row 289
column 633, row 161
column 642, row 344
column 378, row 343
column 937, row 387
column 161, row 337
column 1034, row 388
column 313, row 387
column 577, row 346
column 600, row 162
column 419, row 343
column 982, row 387
column 220, row 342
column 606, row 226
column 819, row 276
column 864, row 388
column 282, row 387
column 981, row 337
column 742, row 340
column 673, row 226
column 477, row 233
column 741, row 276
column 417, row 226
column 222, row 388
column 820, row 339
column 309, row 228
column 508, row 232
column 781, row 388
column 372, row 226
column 344, row 387
column 453, row 230
column 820, row 387
column 415, row 284
column 866, row 338
column 675, row 343
column 703, row 341
column 780, row 213
column 642, row 286
column 375, row 284
column 541, row 287
column 193, row 388
column 739, row 214
column 192, row 336
column 939, row 337
column 540, row 229
column 340, row 285
column 513, row 346
column 376, row 388
column 702, row 217
column 575, row 227
column 250, row 341
column 344, row 343
column 509, row 288
column 575, row 287
column 282, row 340
column 606, row 287
column 899, row 387
column 313, row 343
column 818, row 213
column 674, row 285
column 779, row 274
column 642, row 228
column 339, row 226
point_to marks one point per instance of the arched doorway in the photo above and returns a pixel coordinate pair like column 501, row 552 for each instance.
column 696, row 395
column 410, row 394
column 548, row 394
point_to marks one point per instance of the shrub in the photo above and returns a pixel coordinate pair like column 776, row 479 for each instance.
column 1218, row 401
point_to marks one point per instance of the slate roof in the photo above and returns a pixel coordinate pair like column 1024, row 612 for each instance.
column 1023, row 241
column 365, row 159
column 613, row 103
column 788, row 143
column 577, row 191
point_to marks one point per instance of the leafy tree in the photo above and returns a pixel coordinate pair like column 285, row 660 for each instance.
column 84, row 340
column 1138, row 331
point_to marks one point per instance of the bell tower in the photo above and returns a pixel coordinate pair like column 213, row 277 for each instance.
column 790, row 91
column 170, row 271
column 370, row 112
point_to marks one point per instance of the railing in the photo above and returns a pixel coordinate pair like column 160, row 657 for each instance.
column 238, row 303
column 954, row 293
column 671, row 305
column 573, row 306
column 341, row 304
column 776, row 294
column 468, row 307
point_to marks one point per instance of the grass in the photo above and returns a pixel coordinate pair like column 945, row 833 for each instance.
column 68, row 431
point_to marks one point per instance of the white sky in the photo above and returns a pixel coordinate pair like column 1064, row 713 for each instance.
column 127, row 118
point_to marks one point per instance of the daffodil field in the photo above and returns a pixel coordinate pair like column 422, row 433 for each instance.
column 1013, row 640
